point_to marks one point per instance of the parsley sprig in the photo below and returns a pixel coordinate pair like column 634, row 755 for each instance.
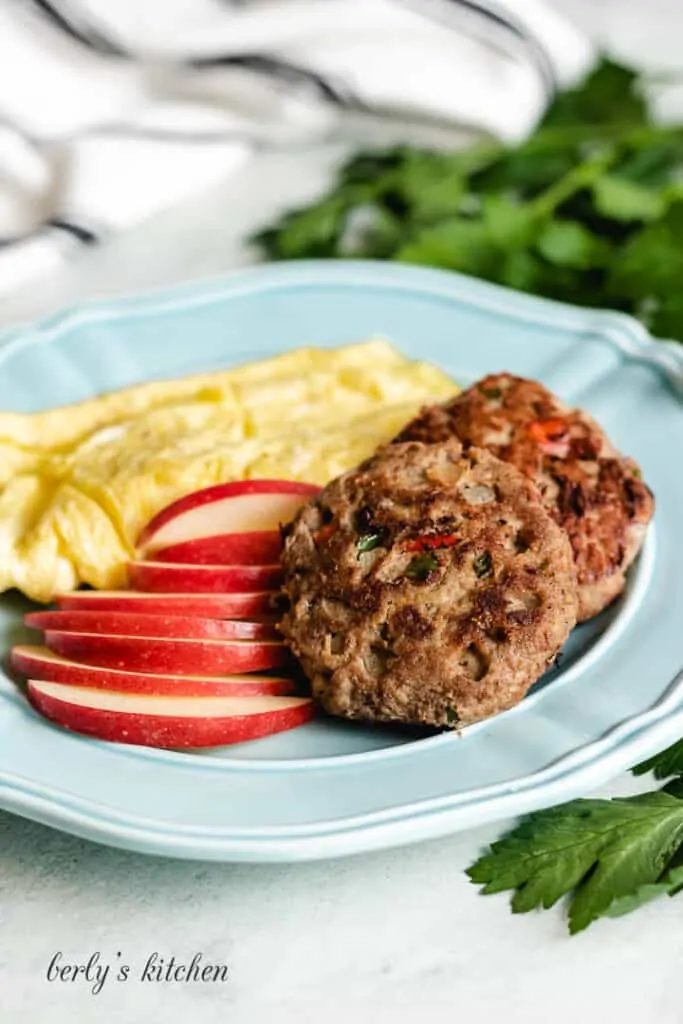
column 588, row 210
column 608, row 856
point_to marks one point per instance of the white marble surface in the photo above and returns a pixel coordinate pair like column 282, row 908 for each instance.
column 381, row 937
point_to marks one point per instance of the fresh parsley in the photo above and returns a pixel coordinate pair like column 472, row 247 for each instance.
column 609, row 856
column 588, row 210
column 665, row 764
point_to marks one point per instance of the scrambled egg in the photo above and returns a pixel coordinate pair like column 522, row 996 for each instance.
column 78, row 483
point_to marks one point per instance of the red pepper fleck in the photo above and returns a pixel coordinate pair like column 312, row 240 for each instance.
column 325, row 532
column 551, row 436
column 444, row 540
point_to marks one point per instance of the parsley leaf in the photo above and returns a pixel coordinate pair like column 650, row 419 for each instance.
column 605, row 854
column 569, row 244
column 624, row 200
column 665, row 764
column 612, row 92
column 670, row 884
column 455, row 244
column 650, row 269
column 313, row 232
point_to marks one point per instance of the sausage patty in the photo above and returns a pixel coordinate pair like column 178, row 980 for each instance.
column 593, row 492
column 428, row 586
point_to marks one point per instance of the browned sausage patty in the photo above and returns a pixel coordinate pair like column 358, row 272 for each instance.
column 591, row 490
column 428, row 586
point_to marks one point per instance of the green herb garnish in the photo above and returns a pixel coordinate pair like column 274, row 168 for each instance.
column 669, row 762
column 452, row 716
column 368, row 542
column 483, row 565
column 588, row 210
column 421, row 566
column 610, row 856
column 492, row 393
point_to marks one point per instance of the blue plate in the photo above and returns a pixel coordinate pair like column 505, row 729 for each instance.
column 333, row 788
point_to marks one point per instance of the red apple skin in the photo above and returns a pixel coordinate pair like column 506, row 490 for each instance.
column 166, row 656
column 41, row 664
column 261, row 547
column 170, row 577
column 167, row 731
column 179, row 627
column 212, row 606
column 219, row 492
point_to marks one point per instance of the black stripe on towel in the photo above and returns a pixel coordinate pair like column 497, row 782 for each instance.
column 88, row 35
column 492, row 15
column 291, row 74
column 83, row 234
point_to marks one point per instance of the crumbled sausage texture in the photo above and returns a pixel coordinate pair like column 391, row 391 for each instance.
column 428, row 586
column 590, row 490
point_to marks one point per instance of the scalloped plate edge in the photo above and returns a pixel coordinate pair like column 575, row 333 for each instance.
column 573, row 775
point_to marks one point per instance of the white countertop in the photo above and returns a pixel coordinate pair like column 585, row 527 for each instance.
column 381, row 937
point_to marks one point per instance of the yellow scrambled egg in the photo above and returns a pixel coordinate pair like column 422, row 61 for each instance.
column 78, row 483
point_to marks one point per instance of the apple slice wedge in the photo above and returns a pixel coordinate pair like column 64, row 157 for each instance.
column 262, row 547
column 41, row 664
column 212, row 606
column 180, row 627
column 174, row 723
column 172, row 577
column 244, row 506
column 165, row 655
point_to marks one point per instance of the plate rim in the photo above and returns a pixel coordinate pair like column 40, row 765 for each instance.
column 585, row 767
column 598, row 762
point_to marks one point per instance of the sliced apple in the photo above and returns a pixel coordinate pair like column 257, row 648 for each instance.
column 180, row 627
column 244, row 506
column 168, row 722
column 166, row 656
column 255, row 548
column 213, row 606
column 41, row 664
column 174, row 577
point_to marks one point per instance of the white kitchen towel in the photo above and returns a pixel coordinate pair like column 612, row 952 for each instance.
column 110, row 112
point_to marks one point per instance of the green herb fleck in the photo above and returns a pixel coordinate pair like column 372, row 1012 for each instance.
column 420, row 567
column 368, row 542
column 492, row 393
column 452, row 716
column 483, row 565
